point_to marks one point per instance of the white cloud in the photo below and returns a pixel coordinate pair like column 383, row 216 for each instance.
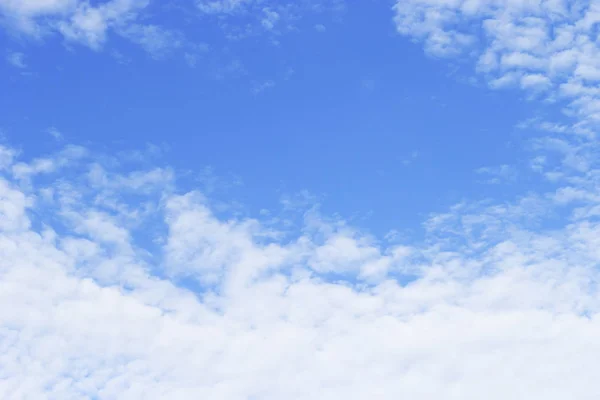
column 7, row 156
column 270, row 18
column 259, row 87
column 13, row 208
column 410, row 159
column 36, row 7
column 137, row 181
column 495, row 308
column 498, row 174
column 241, row 19
column 535, row 81
column 220, row 6
column 24, row 171
column 543, row 45
column 489, row 305
column 88, row 23
column 155, row 40
column 16, row 59
column 199, row 244
column 55, row 133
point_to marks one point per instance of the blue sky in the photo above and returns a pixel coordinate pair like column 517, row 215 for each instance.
column 370, row 199
column 355, row 113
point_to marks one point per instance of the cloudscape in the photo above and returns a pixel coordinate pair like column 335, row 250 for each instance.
column 316, row 199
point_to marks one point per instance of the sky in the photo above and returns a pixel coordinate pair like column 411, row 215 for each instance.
column 258, row 199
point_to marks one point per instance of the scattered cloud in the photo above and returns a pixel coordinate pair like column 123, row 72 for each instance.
column 191, row 60
column 220, row 6
column 120, row 57
column 7, row 155
column 55, row 133
column 155, row 40
column 194, row 53
column 122, row 285
column 24, row 171
column 98, row 310
column 88, row 23
column 544, row 46
column 270, row 18
column 259, row 87
column 369, row 84
column 555, row 127
column 498, row 174
column 241, row 19
column 97, row 24
column 16, row 59
column 411, row 158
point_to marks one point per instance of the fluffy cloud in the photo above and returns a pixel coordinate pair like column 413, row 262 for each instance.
column 547, row 46
column 119, row 285
column 82, row 22
column 102, row 304
column 25, row 171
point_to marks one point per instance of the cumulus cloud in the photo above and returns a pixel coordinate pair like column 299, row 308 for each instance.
column 121, row 285
column 97, row 265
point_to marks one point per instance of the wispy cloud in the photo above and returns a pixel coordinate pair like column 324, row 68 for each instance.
column 411, row 158
column 498, row 174
column 270, row 18
column 156, row 40
column 241, row 19
column 221, row 6
column 259, row 87
column 88, row 24
column 55, row 133
column 16, row 59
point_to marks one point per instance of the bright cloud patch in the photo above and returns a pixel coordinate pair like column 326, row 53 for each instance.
column 87, row 23
column 548, row 46
column 93, row 309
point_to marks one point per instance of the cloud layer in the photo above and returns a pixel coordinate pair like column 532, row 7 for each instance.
column 117, row 285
